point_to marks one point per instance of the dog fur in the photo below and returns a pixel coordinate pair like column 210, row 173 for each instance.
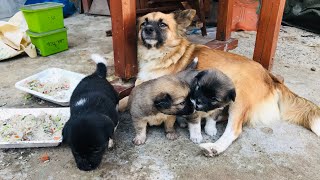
column 158, row 101
column 93, row 118
column 260, row 96
column 211, row 92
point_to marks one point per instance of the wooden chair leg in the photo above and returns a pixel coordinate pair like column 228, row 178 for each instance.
column 123, row 18
column 86, row 5
column 224, row 20
column 202, row 18
column 198, row 6
column 223, row 37
column 268, row 31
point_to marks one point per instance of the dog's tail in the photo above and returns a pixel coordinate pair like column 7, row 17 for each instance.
column 296, row 109
column 101, row 62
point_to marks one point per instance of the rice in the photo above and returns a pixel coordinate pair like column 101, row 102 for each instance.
column 32, row 128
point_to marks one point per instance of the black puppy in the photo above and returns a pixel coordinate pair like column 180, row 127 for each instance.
column 93, row 119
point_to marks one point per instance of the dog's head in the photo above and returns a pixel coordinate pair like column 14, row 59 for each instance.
column 211, row 89
column 88, row 138
column 157, row 29
column 174, row 98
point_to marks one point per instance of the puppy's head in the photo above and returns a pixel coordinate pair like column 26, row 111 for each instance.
column 88, row 138
column 174, row 99
column 211, row 89
column 157, row 29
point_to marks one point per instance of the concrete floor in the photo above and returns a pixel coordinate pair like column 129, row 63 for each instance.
column 278, row 151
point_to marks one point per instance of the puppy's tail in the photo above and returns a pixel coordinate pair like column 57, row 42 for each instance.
column 298, row 110
column 101, row 70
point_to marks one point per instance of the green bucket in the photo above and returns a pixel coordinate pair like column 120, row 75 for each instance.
column 50, row 42
column 42, row 17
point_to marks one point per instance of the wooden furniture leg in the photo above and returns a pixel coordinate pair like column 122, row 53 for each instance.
column 86, row 5
column 123, row 19
column 223, row 39
column 268, row 31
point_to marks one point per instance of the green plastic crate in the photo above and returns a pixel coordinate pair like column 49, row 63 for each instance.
column 43, row 17
column 50, row 42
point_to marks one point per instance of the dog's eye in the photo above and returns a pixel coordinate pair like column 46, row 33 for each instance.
column 143, row 24
column 182, row 103
column 162, row 25
column 215, row 99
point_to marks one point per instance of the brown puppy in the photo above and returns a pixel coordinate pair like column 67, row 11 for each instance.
column 158, row 101
column 163, row 49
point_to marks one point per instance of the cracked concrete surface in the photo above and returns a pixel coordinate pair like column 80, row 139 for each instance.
column 276, row 151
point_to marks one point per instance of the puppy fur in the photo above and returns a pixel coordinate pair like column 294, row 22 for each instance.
column 258, row 91
column 158, row 101
column 93, row 118
column 211, row 92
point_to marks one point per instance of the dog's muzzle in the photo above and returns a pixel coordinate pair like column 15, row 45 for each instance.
column 148, row 34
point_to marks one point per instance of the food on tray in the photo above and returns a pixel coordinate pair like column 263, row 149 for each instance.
column 50, row 88
column 30, row 128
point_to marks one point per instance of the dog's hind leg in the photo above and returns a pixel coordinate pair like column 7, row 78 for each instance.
column 169, row 127
column 237, row 116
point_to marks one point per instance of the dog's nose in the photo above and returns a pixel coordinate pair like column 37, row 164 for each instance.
column 149, row 29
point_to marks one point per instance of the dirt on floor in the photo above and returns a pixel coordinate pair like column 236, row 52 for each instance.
column 276, row 151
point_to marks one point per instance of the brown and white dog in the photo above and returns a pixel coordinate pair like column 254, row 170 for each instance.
column 163, row 49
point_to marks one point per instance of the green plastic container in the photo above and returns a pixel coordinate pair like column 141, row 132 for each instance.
column 50, row 42
column 43, row 17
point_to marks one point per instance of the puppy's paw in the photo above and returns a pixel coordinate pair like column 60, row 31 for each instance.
column 138, row 140
column 196, row 138
column 210, row 149
column 211, row 131
column 172, row 135
column 183, row 124
column 110, row 144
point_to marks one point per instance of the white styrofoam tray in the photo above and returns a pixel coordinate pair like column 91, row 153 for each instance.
column 6, row 113
column 52, row 75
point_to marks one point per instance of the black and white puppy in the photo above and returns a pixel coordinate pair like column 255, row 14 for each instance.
column 93, row 119
column 211, row 92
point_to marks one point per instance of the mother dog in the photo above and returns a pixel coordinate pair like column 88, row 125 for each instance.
column 163, row 49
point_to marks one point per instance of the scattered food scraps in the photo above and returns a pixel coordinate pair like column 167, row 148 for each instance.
column 45, row 157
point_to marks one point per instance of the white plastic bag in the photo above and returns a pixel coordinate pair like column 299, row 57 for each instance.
column 13, row 38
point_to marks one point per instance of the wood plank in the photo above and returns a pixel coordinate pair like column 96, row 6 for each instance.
column 223, row 45
column 162, row 9
column 268, row 31
column 123, row 18
column 224, row 20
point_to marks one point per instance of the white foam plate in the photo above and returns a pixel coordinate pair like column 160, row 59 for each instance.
column 52, row 75
column 8, row 112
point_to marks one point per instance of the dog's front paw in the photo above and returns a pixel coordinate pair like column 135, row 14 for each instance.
column 210, row 149
column 172, row 135
column 196, row 138
column 138, row 140
column 110, row 144
column 211, row 131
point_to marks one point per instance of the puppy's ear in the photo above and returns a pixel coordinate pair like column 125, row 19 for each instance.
column 184, row 18
column 232, row 94
column 163, row 101
column 201, row 74
column 66, row 132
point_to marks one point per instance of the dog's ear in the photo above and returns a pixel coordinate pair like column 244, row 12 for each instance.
column 163, row 101
column 66, row 133
column 184, row 18
column 200, row 75
column 232, row 94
